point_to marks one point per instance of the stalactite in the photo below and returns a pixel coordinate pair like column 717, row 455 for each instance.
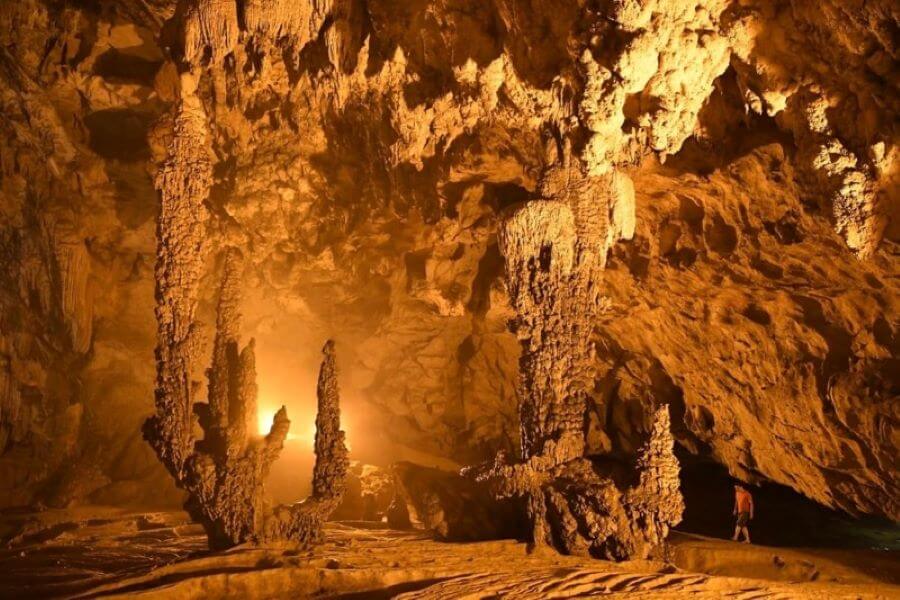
column 212, row 28
column 212, row 25
column 279, row 18
column 74, row 268
column 183, row 180
column 847, row 184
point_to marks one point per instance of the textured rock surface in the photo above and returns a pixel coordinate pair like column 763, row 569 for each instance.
column 360, row 154
column 452, row 507
column 224, row 472
column 593, row 506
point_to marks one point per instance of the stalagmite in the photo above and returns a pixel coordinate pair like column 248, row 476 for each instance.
column 555, row 250
column 554, row 238
column 303, row 522
column 225, row 475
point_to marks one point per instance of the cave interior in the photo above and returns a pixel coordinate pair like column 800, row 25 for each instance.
column 377, row 298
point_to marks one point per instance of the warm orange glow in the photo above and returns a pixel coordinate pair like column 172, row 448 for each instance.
column 298, row 431
column 265, row 416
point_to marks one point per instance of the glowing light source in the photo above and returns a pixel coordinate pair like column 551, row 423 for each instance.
column 265, row 416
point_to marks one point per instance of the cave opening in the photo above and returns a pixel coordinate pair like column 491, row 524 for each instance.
column 783, row 517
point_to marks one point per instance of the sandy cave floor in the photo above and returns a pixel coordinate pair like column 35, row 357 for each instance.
column 105, row 552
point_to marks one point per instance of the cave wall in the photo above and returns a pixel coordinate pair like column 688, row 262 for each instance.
column 363, row 151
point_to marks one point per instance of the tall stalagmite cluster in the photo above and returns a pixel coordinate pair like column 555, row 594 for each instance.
column 223, row 473
column 555, row 250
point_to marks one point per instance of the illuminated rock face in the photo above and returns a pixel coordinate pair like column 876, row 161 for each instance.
column 555, row 250
column 224, row 473
column 363, row 155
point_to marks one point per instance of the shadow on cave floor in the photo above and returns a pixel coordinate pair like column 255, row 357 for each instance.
column 783, row 517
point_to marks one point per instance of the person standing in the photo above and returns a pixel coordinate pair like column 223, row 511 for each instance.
column 743, row 509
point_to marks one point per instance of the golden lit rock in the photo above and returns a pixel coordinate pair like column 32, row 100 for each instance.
column 618, row 255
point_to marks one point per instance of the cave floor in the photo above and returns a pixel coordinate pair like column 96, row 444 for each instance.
column 105, row 552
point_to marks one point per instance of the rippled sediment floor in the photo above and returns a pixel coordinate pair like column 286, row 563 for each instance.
column 102, row 552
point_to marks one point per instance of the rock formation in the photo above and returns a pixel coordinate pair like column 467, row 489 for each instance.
column 555, row 250
column 368, row 492
column 183, row 180
column 363, row 156
column 304, row 521
column 585, row 506
column 451, row 507
column 225, row 472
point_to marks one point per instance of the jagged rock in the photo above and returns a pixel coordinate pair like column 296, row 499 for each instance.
column 368, row 492
column 303, row 522
column 452, row 507
column 362, row 155
column 224, row 475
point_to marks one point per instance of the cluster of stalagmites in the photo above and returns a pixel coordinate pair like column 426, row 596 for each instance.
column 223, row 474
column 225, row 471
column 555, row 250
